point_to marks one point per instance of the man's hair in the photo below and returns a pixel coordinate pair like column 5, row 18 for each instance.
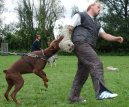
column 91, row 5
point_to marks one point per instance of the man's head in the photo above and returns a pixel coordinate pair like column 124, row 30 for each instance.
column 94, row 8
column 38, row 37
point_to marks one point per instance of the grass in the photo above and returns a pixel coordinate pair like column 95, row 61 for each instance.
column 34, row 94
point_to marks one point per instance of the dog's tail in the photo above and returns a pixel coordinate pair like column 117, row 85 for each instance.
column 4, row 71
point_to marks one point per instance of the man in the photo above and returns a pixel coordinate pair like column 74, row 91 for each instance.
column 36, row 44
column 84, row 36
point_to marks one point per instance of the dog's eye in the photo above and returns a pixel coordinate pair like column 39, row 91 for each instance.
column 68, row 44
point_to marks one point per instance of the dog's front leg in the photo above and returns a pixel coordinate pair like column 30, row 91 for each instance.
column 42, row 75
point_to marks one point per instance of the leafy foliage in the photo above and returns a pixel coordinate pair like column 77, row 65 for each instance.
column 115, row 19
column 34, row 18
column 1, row 10
column 75, row 10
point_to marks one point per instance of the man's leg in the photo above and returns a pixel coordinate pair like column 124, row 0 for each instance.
column 78, row 82
column 89, row 58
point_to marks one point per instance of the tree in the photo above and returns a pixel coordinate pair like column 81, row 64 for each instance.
column 37, row 19
column 1, row 10
column 46, row 14
column 75, row 10
column 115, row 20
column 26, row 25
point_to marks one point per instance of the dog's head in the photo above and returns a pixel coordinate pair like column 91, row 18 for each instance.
column 67, row 46
column 55, row 43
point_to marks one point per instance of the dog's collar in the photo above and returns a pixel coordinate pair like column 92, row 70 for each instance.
column 44, row 57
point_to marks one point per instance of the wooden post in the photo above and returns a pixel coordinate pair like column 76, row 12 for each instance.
column 4, row 48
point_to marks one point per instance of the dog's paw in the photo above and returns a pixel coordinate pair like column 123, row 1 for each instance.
column 45, row 84
column 7, row 98
column 46, row 79
column 18, row 102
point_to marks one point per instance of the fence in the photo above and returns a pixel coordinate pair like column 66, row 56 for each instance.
column 4, row 48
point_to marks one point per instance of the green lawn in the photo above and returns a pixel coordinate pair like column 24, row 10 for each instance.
column 34, row 94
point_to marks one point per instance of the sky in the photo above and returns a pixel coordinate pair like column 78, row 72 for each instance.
column 10, row 16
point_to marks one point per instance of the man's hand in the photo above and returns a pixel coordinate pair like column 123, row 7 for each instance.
column 70, row 28
column 119, row 39
column 110, row 37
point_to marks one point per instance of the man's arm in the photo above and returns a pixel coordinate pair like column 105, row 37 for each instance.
column 76, row 20
column 110, row 37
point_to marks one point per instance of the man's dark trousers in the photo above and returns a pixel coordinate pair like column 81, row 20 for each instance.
column 88, row 63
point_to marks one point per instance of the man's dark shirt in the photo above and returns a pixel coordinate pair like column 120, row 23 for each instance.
column 36, row 45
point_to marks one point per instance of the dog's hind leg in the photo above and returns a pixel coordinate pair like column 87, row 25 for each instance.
column 10, row 85
column 18, row 85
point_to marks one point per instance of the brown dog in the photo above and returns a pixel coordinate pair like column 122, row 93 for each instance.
column 31, row 63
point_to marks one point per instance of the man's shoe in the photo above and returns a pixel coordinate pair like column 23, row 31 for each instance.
column 106, row 95
column 77, row 100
